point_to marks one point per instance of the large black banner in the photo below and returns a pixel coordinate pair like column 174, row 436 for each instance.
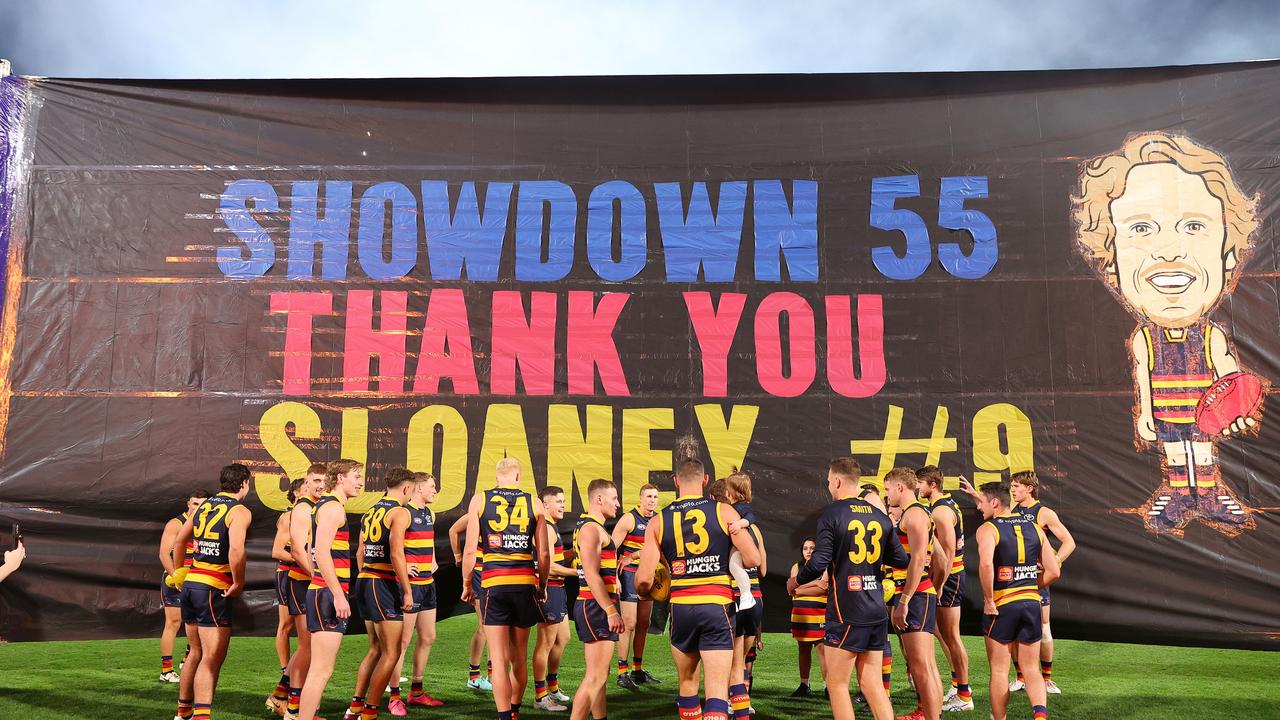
column 1071, row 272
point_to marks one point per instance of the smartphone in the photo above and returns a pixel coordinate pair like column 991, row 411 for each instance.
column 17, row 535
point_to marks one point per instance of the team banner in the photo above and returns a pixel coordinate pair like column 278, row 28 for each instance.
column 1072, row 272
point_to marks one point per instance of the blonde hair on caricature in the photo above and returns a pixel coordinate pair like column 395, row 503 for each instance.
column 1102, row 179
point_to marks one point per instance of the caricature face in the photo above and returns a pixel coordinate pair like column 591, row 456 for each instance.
column 554, row 505
column 1169, row 262
column 806, row 550
column 648, row 501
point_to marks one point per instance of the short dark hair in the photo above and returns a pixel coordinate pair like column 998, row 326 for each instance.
column 293, row 489
column 866, row 488
column 847, row 468
column 317, row 468
column 995, row 491
column 690, row 469
column 398, row 476
column 931, row 474
column 233, row 477
column 550, row 490
column 199, row 493
column 597, row 486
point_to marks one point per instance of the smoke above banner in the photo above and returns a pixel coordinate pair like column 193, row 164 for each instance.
column 1071, row 272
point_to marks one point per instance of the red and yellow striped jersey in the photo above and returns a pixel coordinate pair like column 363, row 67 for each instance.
column 375, row 538
column 608, row 560
column 557, row 557
column 695, row 543
column 900, row 573
column 420, row 544
column 808, row 613
column 507, row 525
column 1181, row 369
column 309, row 503
column 211, row 563
column 634, row 540
column 339, row 550
column 957, row 563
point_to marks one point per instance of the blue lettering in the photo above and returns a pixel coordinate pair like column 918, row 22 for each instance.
column 236, row 215
column 538, row 197
column 781, row 230
column 404, row 231
column 466, row 237
column 698, row 238
column 631, row 231
column 306, row 228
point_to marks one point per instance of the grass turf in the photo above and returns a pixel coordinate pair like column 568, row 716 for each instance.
column 117, row 679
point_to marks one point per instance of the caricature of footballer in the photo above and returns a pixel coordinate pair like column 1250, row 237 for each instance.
column 1164, row 224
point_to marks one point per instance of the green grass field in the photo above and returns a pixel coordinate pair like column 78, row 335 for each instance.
column 117, row 679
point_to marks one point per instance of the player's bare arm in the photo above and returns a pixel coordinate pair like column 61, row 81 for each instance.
column 944, row 544
column 472, row 520
column 649, row 556
column 625, row 525
column 167, row 538
column 238, row 521
column 300, row 537
column 542, row 549
column 279, row 549
column 1142, row 379
column 987, row 537
column 458, row 531
column 764, row 554
column 1048, row 560
column 1050, row 521
column 915, row 523
column 397, row 523
column 179, row 548
column 968, row 489
column 556, row 568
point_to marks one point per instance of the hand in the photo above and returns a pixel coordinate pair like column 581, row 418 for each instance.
column 900, row 614
column 540, row 593
column 615, row 622
column 407, row 605
column 760, row 642
column 1239, row 425
column 413, row 572
column 468, row 597
column 989, row 607
column 14, row 557
column 791, row 586
column 1147, row 427
column 824, row 586
column 739, row 524
column 341, row 607
column 966, row 486
column 236, row 588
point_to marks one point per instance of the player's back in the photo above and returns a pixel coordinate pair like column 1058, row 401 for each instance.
column 1016, row 559
column 375, row 537
column 211, row 561
column 865, row 539
column 695, row 542
column 507, row 526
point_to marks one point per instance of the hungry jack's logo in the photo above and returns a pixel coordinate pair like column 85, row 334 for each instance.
column 1164, row 224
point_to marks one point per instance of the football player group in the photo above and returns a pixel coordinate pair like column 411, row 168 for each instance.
column 703, row 554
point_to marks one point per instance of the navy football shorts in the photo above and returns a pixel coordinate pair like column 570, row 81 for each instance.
column 205, row 606
column 922, row 613
column 627, row 584
column 556, row 606
column 321, row 615
column 1016, row 622
column 477, row 588
column 1044, row 597
column 747, row 623
column 424, row 597
column 952, row 594
column 170, row 597
column 701, row 627
column 379, row 600
column 591, row 622
column 856, row 638
column 510, row 607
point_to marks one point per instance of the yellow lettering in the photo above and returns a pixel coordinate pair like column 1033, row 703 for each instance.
column 420, row 452
column 576, row 456
column 273, row 432
column 727, row 440
column 355, row 445
column 987, row 454
column 639, row 457
column 504, row 436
